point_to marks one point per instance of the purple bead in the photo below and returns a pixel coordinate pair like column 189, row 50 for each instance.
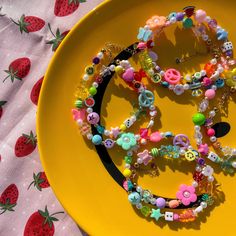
column 229, row 53
column 160, row 202
column 96, row 60
column 180, row 16
column 93, row 118
column 212, row 24
column 201, row 161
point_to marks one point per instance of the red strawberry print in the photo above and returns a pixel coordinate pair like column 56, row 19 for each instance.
column 66, row 7
column 9, row 198
column 25, row 144
column 2, row 103
column 57, row 38
column 34, row 95
column 18, row 69
column 40, row 181
column 30, row 23
column 40, row 223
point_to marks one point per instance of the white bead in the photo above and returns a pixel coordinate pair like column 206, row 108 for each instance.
column 127, row 165
column 190, row 147
column 107, row 132
column 140, row 160
column 205, row 37
column 198, row 169
column 95, row 84
column 215, row 75
column 212, row 113
column 198, row 210
column 162, row 134
column 234, row 164
column 213, row 139
column 186, row 86
column 85, row 77
column 218, row 27
column 197, row 127
column 204, row 204
column 208, row 19
column 152, row 107
column 143, row 141
column 234, row 151
column 214, row 87
column 89, row 136
column 146, row 27
column 133, row 118
column 89, row 110
column 137, row 136
column 214, row 61
column 195, row 184
column 182, row 152
column 100, row 55
column 203, row 72
column 151, row 123
column 162, row 73
column 112, row 67
column 151, row 72
column 188, row 78
column 171, row 87
column 79, row 122
column 220, row 69
column 210, row 178
column 173, row 20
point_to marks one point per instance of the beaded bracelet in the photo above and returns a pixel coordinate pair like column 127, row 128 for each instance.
column 145, row 97
column 171, row 78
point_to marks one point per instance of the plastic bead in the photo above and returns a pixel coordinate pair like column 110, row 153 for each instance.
column 92, row 90
column 172, row 76
column 89, row 70
column 200, row 16
column 210, row 132
column 160, row 203
column 210, row 94
column 187, row 23
column 145, row 211
column 154, row 152
column 79, row 103
column 123, row 127
column 134, row 198
column 173, row 203
column 127, row 173
column 128, row 75
column 93, row 118
column 199, row 119
column 97, row 139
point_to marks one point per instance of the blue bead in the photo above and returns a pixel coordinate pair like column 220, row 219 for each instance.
column 97, row 139
column 222, row 34
column 220, row 83
column 165, row 84
column 169, row 134
column 100, row 129
column 134, row 198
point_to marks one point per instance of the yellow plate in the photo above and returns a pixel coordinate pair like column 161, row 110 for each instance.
column 81, row 183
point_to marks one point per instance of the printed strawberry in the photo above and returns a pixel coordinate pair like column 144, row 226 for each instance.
column 18, row 69
column 66, row 7
column 30, row 23
column 34, row 95
column 9, row 198
column 40, row 223
column 2, row 103
column 57, row 38
column 25, row 144
column 40, row 181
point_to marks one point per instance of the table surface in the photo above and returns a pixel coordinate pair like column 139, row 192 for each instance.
column 18, row 113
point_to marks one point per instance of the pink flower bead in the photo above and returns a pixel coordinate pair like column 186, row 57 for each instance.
column 210, row 132
column 200, row 16
column 186, row 194
column 207, row 81
column 210, row 93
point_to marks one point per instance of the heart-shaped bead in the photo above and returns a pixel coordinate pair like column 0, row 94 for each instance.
column 155, row 137
column 128, row 75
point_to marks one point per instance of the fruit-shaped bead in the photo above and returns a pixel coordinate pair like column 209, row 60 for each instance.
column 199, row 119
column 92, row 90
column 97, row 139
column 79, row 103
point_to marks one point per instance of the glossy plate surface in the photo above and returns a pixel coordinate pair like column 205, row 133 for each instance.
column 81, row 183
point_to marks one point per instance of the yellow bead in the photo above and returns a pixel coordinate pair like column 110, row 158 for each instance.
column 122, row 127
column 119, row 69
column 127, row 173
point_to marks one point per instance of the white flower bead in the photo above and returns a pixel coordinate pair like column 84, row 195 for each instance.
column 234, row 151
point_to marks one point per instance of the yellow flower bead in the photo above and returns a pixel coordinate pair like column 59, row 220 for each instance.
column 122, row 127
column 230, row 78
column 127, row 173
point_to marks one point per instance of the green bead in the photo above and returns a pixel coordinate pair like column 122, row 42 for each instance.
column 79, row 103
column 154, row 152
column 198, row 119
column 187, row 23
column 92, row 90
column 145, row 211
column 128, row 160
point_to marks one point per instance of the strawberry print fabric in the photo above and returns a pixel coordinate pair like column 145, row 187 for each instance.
column 30, row 33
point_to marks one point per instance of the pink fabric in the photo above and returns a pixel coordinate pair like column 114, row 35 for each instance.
column 17, row 116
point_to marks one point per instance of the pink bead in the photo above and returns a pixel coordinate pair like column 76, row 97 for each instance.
column 173, row 203
column 172, row 76
column 200, row 16
column 210, row 93
column 93, row 118
column 210, row 132
column 142, row 46
column 155, row 137
column 176, row 217
column 207, row 81
column 128, row 75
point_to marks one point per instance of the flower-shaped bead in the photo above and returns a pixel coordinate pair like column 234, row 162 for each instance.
column 127, row 141
column 186, row 194
column 208, row 171
column 156, row 22
column 231, row 78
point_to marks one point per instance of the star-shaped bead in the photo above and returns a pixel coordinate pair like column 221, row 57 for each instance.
column 115, row 131
column 145, row 156
column 156, row 214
